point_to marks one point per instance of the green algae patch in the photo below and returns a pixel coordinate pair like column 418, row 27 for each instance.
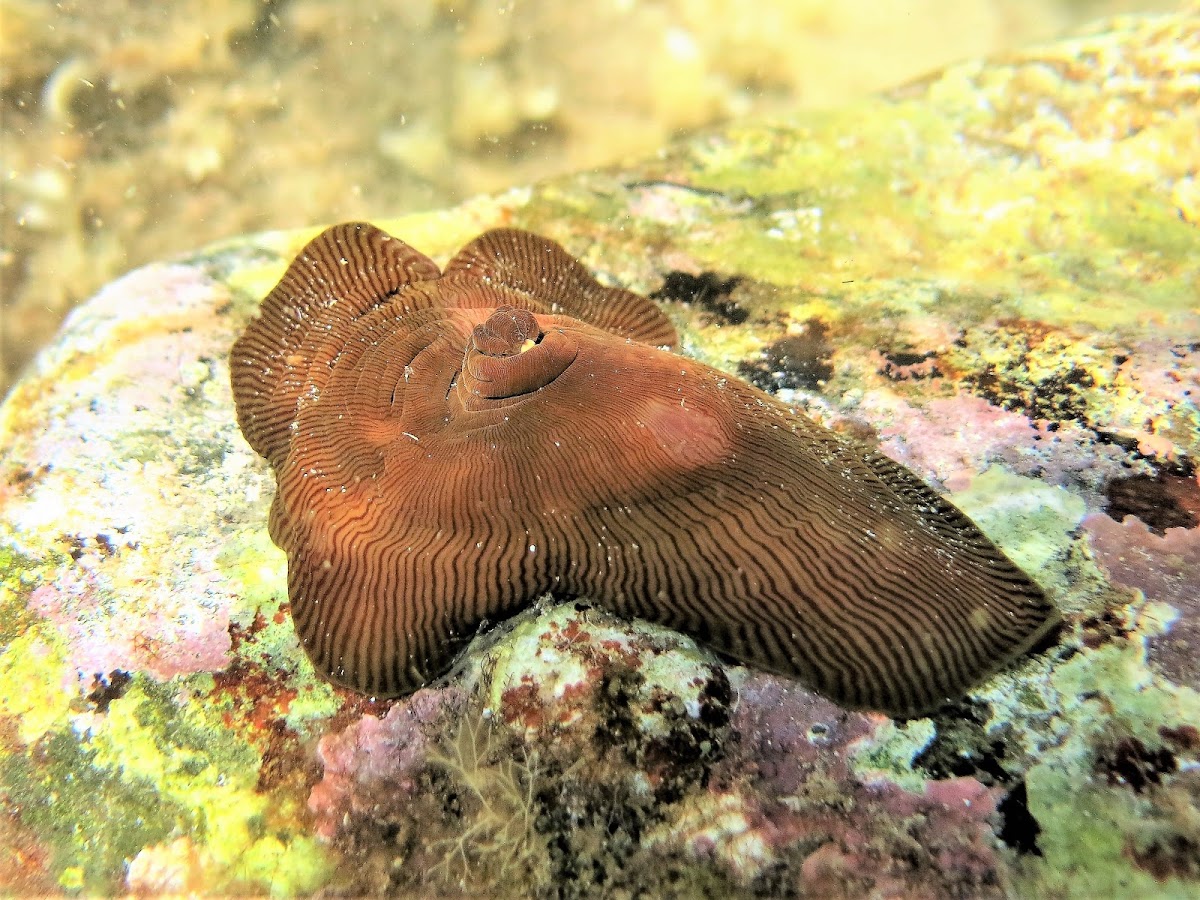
column 89, row 817
column 1128, row 217
column 255, row 568
column 1087, row 844
column 887, row 189
column 889, row 753
column 1118, row 242
column 194, row 763
column 839, row 154
column 827, row 200
column 1019, row 695
column 1093, row 821
column 752, row 251
column 1133, row 698
column 256, row 571
column 315, row 702
column 184, row 760
column 18, row 575
column 1030, row 521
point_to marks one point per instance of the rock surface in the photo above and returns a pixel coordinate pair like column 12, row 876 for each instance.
column 994, row 274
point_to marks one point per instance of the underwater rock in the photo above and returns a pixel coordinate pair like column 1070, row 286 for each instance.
column 988, row 257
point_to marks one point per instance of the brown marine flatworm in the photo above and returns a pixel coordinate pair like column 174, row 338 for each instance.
column 450, row 445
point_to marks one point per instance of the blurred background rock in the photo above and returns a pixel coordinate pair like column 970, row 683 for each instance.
column 134, row 130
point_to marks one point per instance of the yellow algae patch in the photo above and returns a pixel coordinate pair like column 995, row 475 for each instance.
column 298, row 866
column 257, row 281
column 814, row 308
column 72, row 878
column 31, row 686
column 1186, row 196
column 255, row 567
column 125, row 741
column 440, row 234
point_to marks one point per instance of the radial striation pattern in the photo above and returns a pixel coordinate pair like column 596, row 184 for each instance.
column 449, row 446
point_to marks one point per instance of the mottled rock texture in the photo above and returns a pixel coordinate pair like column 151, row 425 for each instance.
column 993, row 274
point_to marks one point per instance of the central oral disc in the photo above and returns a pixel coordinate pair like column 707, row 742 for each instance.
column 510, row 355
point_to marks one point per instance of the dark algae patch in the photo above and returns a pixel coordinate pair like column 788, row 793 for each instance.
column 797, row 362
column 708, row 290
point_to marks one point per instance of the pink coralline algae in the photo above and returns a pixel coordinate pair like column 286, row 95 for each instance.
column 951, row 439
column 787, row 732
column 1164, row 568
column 108, row 630
column 119, row 520
column 906, row 845
column 842, row 833
column 371, row 765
